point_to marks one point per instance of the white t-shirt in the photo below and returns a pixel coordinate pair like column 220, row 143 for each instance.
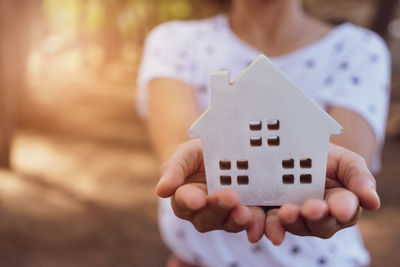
column 349, row 68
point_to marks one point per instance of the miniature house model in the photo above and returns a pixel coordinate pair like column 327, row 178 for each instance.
column 263, row 137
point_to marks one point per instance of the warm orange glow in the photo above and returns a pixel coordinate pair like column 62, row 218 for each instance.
column 81, row 188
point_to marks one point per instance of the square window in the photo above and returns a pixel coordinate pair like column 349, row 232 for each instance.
column 273, row 141
column 255, row 125
column 225, row 180
column 305, row 163
column 255, row 141
column 305, row 179
column 273, row 124
column 288, row 179
column 224, row 164
column 243, row 179
column 288, row 163
column 242, row 164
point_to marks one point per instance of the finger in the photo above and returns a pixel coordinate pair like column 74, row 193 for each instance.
column 343, row 204
column 314, row 209
column 353, row 221
column 217, row 210
column 273, row 228
column 351, row 170
column 238, row 220
column 316, row 216
column 332, row 183
column 288, row 213
column 256, row 227
column 290, row 217
column 189, row 199
column 186, row 160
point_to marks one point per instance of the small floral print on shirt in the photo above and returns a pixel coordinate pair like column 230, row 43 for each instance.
column 344, row 65
column 310, row 64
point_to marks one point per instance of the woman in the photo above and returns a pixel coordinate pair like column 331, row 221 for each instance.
column 345, row 69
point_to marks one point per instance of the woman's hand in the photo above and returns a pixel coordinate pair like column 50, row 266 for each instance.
column 350, row 187
column 183, row 179
column 349, row 184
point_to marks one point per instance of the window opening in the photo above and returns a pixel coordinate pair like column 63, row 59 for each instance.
column 225, row 180
column 255, row 141
column 305, row 179
column 288, row 179
column 243, row 179
column 273, row 124
column 224, row 164
column 273, row 140
column 288, row 163
column 255, row 125
column 242, row 164
column 305, row 163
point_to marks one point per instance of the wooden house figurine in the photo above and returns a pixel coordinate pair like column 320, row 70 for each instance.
column 263, row 137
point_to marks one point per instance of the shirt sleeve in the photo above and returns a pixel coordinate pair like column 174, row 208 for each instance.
column 164, row 56
column 361, row 81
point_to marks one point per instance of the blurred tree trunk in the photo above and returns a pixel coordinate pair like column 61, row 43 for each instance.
column 385, row 11
column 15, row 21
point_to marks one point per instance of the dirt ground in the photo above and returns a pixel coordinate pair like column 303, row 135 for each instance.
column 82, row 189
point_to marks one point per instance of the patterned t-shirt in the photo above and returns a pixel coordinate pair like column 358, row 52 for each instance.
column 349, row 68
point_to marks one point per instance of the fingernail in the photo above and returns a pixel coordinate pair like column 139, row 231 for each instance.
column 376, row 194
column 372, row 186
column 160, row 182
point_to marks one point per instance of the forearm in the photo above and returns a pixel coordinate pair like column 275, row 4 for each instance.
column 172, row 109
column 358, row 136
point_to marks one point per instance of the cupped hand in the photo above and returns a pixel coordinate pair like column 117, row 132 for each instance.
column 349, row 186
column 183, row 179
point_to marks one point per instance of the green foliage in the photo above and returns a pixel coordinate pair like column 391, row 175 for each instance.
column 176, row 9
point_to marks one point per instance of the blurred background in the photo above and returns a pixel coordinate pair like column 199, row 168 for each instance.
column 77, row 174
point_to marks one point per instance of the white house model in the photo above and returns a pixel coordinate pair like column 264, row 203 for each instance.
column 263, row 137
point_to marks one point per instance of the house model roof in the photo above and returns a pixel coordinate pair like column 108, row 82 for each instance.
column 262, row 84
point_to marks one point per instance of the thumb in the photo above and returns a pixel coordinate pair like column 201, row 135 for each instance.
column 186, row 160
